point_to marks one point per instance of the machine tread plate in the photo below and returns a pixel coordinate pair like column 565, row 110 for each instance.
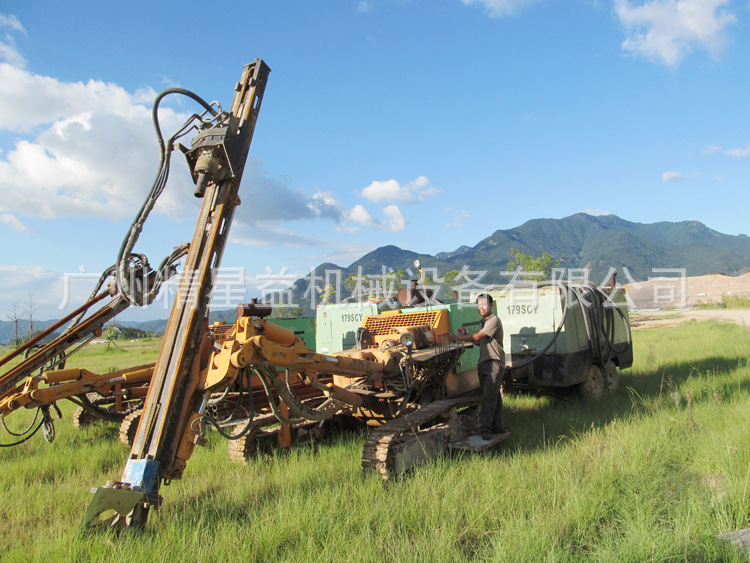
column 475, row 443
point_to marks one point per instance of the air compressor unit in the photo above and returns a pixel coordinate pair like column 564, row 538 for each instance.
column 562, row 335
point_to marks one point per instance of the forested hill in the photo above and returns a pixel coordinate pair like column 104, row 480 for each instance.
column 636, row 251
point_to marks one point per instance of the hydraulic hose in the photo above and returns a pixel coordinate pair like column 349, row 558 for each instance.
column 292, row 401
column 165, row 151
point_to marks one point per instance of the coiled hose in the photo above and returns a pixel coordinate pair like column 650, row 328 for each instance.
column 598, row 318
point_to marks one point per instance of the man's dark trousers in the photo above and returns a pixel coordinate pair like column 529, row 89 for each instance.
column 490, row 379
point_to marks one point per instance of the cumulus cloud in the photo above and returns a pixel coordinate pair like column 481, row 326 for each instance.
column 500, row 8
column 666, row 31
column 672, row 176
column 396, row 219
column 267, row 202
column 325, row 205
column 359, row 215
column 88, row 149
column 85, row 149
column 265, row 199
column 390, row 190
column 30, row 100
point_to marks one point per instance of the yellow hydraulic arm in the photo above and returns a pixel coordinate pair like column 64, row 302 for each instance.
column 67, row 383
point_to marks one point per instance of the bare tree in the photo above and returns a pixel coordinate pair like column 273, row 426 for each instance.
column 31, row 311
column 14, row 317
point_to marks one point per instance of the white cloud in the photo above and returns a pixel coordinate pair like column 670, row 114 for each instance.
column 30, row 100
column 8, row 51
column 13, row 222
column 500, row 8
column 10, row 21
column 390, row 190
column 358, row 214
column 672, row 176
column 88, row 149
column 667, row 30
column 273, row 201
column 739, row 152
column 396, row 219
column 326, row 206
column 92, row 150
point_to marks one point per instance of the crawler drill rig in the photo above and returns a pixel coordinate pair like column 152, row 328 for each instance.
column 395, row 380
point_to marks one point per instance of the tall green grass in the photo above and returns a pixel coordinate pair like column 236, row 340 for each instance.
column 652, row 473
column 728, row 302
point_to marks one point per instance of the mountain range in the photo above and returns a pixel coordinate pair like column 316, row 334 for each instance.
column 600, row 244
column 597, row 243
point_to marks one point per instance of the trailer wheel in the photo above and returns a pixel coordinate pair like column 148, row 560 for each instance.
column 611, row 378
column 593, row 387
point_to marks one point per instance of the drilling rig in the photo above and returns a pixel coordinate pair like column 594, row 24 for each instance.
column 400, row 379
column 397, row 374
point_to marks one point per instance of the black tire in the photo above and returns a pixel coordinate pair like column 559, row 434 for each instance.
column 611, row 378
column 592, row 388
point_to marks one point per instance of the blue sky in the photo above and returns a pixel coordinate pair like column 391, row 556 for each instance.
column 427, row 124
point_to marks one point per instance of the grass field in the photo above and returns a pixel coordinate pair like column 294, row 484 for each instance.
column 652, row 473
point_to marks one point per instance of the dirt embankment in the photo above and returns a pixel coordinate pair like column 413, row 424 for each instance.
column 673, row 298
column 676, row 291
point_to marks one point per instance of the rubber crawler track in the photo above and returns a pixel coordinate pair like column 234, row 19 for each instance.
column 378, row 454
column 129, row 426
